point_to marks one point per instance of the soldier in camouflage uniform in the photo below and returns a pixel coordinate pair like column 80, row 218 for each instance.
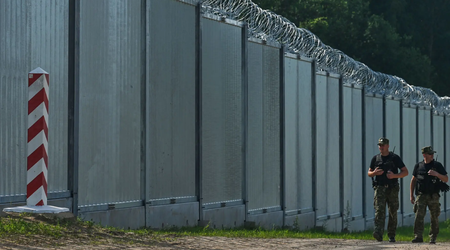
column 385, row 168
column 425, row 180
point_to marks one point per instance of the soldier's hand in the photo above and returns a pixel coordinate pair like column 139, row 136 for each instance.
column 378, row 171
column 389, row 174
column 432, row 172
column 412, row 199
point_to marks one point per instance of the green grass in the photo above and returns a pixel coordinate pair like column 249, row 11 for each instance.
column 403, row 233
column 26, row 225
column 20, row 225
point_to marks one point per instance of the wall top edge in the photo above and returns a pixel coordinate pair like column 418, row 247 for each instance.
column 424, row 108
column 440, row 114
column 191, row 2
column 392, row 98
column 298, row 57
column 223, row 19
column 334, row 75
column 263, row 42
column 354, row 86
column 409, row 105
column 374, row 95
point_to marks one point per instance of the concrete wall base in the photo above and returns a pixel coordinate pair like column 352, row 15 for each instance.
column 226, row 217
column 442, row 216
column 357, row 225
column 370, row 224
column 408, row 220
column 447, row 214
column 173, row 215
column 126, row 218
column 330, row 225
column 268, row 221
column 301, row 221
column 399, row 222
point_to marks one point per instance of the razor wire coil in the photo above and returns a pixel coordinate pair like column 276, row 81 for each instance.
column 268, row 26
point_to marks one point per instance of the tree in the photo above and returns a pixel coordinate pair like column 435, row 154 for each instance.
column 406, row 38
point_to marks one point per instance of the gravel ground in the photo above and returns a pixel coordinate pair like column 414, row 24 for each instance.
column 210, row 243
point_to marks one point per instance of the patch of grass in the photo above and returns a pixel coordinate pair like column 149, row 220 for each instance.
column 39, row 230
column 49, row 230
column 25, row 226
column 403, row 233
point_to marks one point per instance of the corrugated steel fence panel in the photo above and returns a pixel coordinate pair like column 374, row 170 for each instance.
column 438, row 145
column 446, row 157
column 424, row 129
column 393, row 133
column 409, row 155
column 255, row 131
column 393, row 127
column 14, row 67
column 352, row 142
column 327, row 138
column 264, row 178
column 299, row 135
column 291, row 158
column 272, row 87
column 110, row 101
column 373, row 115
column 171, row 145
column 32, row 34
column 222, row 137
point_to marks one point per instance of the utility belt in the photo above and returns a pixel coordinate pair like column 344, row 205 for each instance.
column 391, row 185
column 430, row 193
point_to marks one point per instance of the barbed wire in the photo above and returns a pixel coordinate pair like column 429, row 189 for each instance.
column 268, row 26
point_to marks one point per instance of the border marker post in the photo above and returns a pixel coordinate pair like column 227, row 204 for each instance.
column 37, row 153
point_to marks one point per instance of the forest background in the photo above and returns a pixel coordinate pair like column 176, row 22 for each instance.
column 406, row 38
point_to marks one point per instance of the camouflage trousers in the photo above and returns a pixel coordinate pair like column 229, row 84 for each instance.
column 386, row 196
column 420, row 209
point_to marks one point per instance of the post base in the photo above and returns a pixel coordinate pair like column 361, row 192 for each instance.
column 37, row 209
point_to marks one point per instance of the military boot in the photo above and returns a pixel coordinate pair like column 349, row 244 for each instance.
column 432, row 240
column 417, row 240
column 377, row 236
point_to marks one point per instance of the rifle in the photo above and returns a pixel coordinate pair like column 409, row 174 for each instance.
column 374, row 182
column 442, row 186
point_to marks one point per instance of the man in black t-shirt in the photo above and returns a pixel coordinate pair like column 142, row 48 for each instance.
column 386, row 168
column 425, row 181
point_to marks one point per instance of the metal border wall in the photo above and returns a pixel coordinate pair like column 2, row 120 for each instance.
column 299, row 141
column 32, row 34
column 152, row 121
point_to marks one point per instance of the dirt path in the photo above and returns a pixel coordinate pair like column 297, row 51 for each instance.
column 216, row 243
column 317, row 244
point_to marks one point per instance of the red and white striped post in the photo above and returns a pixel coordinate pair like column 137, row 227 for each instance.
column 37, row 144
column 37, row 158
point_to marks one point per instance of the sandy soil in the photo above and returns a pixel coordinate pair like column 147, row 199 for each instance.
column 210, row 243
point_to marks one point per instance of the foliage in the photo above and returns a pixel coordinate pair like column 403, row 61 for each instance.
column 20, row 225
column 406, row 38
